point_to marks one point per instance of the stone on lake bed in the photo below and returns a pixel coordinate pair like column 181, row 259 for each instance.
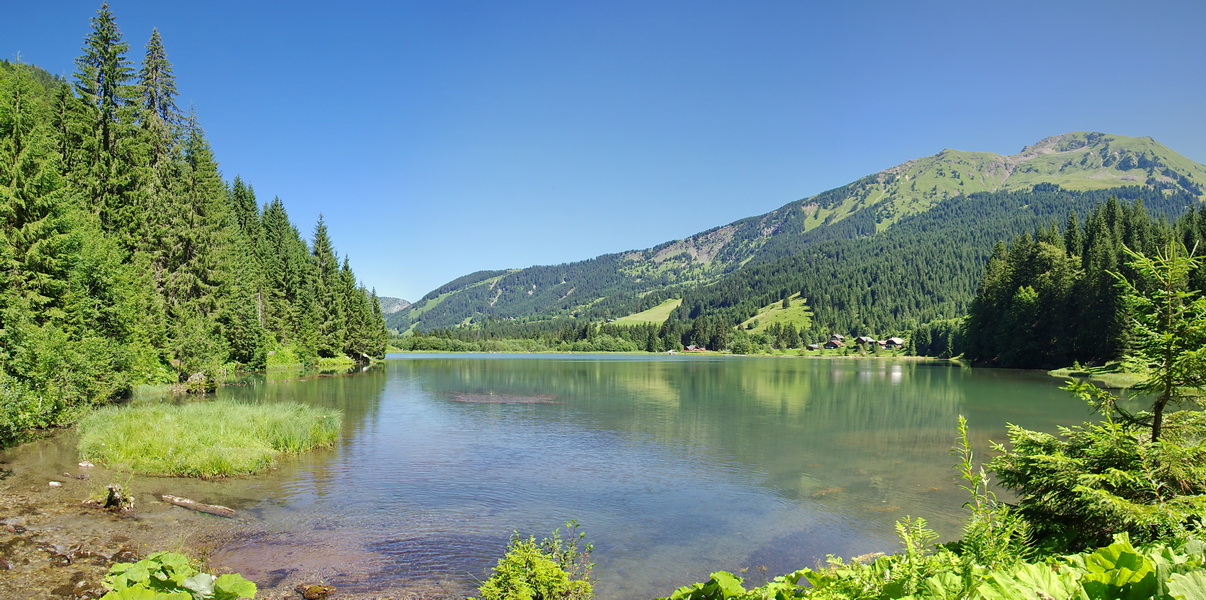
column 311, row 591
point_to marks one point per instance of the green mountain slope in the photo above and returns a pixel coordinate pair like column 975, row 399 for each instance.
column 1074, row 164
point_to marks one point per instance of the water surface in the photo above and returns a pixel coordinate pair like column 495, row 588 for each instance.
column 674, row 466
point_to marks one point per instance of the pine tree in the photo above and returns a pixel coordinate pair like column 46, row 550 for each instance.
column 103, row 73
column 331, row 293
column 245, row 209
column 161, row 123
column 198, row 240
column 111, row 175
column 157, row 85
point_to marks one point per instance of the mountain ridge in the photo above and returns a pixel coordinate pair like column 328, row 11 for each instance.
column 611, row 284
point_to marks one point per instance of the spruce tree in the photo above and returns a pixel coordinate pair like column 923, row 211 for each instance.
column 161, row 123
column 103, row 73
column 112, row 170
column 330, row 291
column 245, row 210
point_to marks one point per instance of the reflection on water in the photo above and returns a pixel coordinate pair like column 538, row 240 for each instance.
column 674, row 466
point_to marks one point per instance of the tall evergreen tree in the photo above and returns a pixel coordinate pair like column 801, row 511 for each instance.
column 112, row 174
column 103, row 74
column 245, row 210
column 157, row 85
column 331, row 293
column 161, row 122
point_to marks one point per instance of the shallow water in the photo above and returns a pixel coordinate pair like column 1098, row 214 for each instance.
column 674, row 466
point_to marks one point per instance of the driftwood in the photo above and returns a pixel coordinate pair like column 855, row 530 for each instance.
column 115, row 499
column 212, row 509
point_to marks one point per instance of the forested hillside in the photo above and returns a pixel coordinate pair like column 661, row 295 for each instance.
column 124, row 256
column 927, row 267
column 1052, row 298
column 885, row 253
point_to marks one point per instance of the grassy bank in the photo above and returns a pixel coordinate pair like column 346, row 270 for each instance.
column 1115, row 376
column 204, row 439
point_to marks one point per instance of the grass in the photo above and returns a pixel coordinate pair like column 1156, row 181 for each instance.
column 657, row 314
column 204, row 439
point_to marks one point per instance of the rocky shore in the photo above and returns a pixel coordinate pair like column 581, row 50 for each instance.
column 54, row 543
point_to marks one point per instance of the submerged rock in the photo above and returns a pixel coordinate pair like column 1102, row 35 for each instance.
column 311, row 591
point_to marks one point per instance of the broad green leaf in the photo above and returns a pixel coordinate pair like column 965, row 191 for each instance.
column 1188, row 586
column 231, row 586
column 685, row 592
column 119, row 568
column 136, row 593
column 1120, row 555
column 943, row 585
column 1033, row 582
column 729, row 584
column 1119, row 571
column 201, row 585
column 137, row 573
column 143, row 593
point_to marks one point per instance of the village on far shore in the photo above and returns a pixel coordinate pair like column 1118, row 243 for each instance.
column 835, row 342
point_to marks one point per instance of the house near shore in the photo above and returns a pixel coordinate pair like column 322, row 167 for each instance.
column 864, row 339
column 694, row 348
column 837, row 337
column 814, row 346
column 894, row 342
column 833, row 345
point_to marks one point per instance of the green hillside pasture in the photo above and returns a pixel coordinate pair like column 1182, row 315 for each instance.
column 657, row 314
column 204, row 439
column 798, row 314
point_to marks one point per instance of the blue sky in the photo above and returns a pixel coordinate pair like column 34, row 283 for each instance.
column 441, row 138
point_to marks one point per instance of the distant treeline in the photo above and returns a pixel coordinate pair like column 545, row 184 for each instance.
column 126, row 259
column 577, row 336
column 566, row 335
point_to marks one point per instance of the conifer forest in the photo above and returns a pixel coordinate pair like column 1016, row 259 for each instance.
column 127, row 259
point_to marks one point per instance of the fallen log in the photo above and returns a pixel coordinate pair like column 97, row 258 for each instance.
column 212, row 509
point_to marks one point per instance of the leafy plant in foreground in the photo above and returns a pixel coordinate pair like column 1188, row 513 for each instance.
column 994, row 535
column 170, row 576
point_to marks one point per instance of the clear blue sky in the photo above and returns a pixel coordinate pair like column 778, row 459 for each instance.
column 441, row 138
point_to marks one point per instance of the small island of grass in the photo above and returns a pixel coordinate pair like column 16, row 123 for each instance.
column 204, row 439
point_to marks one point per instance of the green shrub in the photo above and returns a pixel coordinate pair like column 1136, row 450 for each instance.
column 204, row 439
column 554, row 568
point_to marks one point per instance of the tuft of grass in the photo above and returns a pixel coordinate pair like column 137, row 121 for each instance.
column 204, row 439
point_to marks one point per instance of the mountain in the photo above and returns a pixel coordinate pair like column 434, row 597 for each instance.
column 951, row 207
column 390, row 305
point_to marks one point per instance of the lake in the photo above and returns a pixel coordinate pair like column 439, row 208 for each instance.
column 674, row 466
